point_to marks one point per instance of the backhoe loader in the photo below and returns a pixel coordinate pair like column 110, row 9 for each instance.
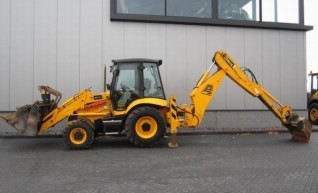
column 312, row 102
column 135, row 104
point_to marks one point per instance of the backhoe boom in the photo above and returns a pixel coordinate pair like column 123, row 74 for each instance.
column 207, row 86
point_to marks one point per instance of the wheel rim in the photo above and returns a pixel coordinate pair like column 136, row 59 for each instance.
column 146, row 127
column 313, row 114
column 78, row 136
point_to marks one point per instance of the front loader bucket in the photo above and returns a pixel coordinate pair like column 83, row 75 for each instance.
column 25, row 119
column 299, row 127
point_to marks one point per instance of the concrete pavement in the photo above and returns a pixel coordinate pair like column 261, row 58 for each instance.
column 203, row 163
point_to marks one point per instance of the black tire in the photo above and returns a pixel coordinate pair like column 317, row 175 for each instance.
column 78, row 135
column 313, row 113
column 145, row 126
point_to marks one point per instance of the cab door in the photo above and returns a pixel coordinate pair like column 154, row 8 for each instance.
column 126, row 84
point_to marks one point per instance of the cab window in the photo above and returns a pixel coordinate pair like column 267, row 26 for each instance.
column 126, row 87
column 152, row 81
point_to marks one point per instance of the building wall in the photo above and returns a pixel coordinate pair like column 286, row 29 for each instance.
column 65, row 44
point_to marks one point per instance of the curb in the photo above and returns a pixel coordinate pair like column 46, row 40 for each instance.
column 181, row 132
column 20, row 136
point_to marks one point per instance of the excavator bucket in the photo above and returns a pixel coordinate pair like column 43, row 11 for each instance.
column 25, row 119
column 299, row 127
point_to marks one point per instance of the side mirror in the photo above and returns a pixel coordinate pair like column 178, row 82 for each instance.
column 116, row 72
column 108, row 86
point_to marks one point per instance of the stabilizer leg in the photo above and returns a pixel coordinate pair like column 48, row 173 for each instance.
column 173, row 142
column 173, row 122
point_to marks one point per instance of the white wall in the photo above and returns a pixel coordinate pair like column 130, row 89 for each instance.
column 65, row 44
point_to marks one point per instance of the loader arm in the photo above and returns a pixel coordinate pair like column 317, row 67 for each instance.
column 66, row 109
column 207, row 86
column 78, row 105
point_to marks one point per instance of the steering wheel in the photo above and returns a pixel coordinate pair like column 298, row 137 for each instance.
column 124, row 87
column 127, row 89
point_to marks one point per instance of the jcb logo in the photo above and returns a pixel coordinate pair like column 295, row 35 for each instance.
column 207, row 90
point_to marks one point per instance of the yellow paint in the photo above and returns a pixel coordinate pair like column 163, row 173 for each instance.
column 315, row 95
column 75, row 106
column 208, row 85
column 78, row 136
column 145, row 101
column 313, row 114
column 146, row 127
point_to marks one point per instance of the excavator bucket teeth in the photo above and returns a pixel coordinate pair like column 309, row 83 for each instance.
column 300, row 129
column 26, row 119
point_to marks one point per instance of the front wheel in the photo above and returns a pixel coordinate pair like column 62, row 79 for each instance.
column 78, row 135
column 145, row 126
column 313, row 113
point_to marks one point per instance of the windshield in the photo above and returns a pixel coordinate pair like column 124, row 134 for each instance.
column 152, row 81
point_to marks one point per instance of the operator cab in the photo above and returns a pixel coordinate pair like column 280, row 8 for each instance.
column 135, row 79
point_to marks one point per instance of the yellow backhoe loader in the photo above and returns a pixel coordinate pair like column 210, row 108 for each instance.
column 135, row 104
column 312, row 102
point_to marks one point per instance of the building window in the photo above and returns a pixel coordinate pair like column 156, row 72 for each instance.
column 189, row 8
column 143, row 7
column 239, row 10
column 267, row 14
column 282, row 11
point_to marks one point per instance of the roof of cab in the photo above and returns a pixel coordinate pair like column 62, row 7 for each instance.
column 136, row 60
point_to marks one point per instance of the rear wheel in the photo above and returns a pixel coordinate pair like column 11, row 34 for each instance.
column 79, row 135
column 313, row 113
column 145, row 126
